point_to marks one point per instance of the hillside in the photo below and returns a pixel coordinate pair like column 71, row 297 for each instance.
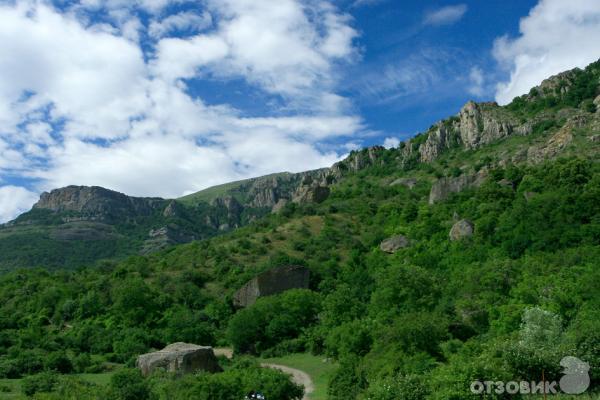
column 492, row 273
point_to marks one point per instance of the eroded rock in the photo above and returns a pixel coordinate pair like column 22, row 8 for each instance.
column 274, row 281
column 179, row 358
column 444, row 187
column 461, row 230
column 394, row 243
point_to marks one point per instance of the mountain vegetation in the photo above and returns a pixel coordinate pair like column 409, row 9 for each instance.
column 505, row 297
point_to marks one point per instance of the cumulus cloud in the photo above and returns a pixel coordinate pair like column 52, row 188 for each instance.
column 556, row 36
column 445, row 15
column 183, row 21
column 477, row 81
column 391, row 142
column 14, row 200
column 85, row 103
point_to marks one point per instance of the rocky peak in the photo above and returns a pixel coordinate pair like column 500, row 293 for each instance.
column 96, row 202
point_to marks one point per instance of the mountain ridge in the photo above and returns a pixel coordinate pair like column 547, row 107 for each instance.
column 559, row 117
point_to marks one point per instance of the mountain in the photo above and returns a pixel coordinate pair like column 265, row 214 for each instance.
column 75, row 226
column 468, row 253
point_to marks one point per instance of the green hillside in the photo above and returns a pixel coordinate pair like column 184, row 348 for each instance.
column 495, row 278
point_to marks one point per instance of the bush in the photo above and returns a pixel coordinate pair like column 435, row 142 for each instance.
column 59, row 362
column 42, row 382
column 273, row 319
column 128, row 384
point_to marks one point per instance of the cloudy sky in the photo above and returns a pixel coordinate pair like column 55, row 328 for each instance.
column 167, row 97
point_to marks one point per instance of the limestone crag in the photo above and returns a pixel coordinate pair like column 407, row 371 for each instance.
column 394, row 243
column 179, row 358
column 444, row 187
column 274, row 281
column 97, row 203
column 461, row 230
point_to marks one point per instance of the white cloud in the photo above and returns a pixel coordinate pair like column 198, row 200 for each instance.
column 391, row 142
column 182, row 21
column 445, row 15
column 477, row 81
column 15, row 200
column 85, row 103
column 556, row 36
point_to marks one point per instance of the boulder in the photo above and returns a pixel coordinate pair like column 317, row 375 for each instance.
column 311, row 194
column 394, row 243
column 444, row 187
column 180, row 358
column 462, row 229
column 274, row 281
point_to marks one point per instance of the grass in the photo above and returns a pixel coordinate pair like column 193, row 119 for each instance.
column 318, row 369
column 10, row 389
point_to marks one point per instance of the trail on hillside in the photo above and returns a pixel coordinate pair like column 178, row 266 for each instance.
column 299, row 377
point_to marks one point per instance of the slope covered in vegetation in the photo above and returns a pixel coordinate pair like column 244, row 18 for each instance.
column 505, row 303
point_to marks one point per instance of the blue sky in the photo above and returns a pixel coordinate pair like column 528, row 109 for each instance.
column 167, row 97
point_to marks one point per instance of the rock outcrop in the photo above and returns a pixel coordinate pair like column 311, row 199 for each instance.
column 461, row 230
column 406, row 182
column 444, row 187
column 274, row 281
column 394, row 243
column 179, row 358
column 96, row 203
column 165, row 236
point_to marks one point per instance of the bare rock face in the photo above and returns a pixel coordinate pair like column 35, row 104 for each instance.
column 173, row 210
column 165, row 236
column 479, row 126
column 597, row 102
column 406, row 182
column 462, row 229
column 444, row 187
column 279, row 205
column 274, row 281
column 440, row 139
column 179, row 358
column 97, row 203
column 395, row 243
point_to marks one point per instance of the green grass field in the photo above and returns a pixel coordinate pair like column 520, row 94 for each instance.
column 318, row 369
column 10, row 389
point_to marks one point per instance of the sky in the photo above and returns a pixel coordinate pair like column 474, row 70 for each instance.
column 168, row 97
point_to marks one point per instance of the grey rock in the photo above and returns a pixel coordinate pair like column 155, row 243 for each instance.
column 179, row 358
column 462, row 229
column 406, row 182
column 479, row 125
column 97, row 203
column 165, row 236
column 172, row 210
column 597, row 102
column 444, row 187
column 394, row 243
column 506, row 183
column 438, row 140
column 311, row 194
column 274, row 281
column 279, row 205
column 594, row 138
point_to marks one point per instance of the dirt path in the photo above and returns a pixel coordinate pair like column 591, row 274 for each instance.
column 299, row 377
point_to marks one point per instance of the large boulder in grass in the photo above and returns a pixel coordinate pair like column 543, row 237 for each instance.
column 180, row 358
column 394, row 243
column 462, row 229
column 274, row 281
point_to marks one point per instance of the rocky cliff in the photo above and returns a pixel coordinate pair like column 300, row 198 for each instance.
column 97, row 203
